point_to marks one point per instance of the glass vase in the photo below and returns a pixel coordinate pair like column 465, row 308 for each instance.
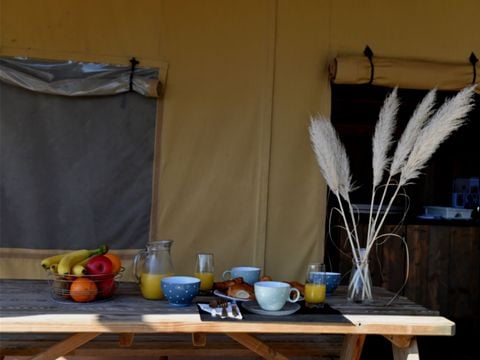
column 360, row 284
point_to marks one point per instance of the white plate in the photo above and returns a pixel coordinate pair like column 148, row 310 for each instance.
column 427, row 217
column 223, row 295
column 288, row 309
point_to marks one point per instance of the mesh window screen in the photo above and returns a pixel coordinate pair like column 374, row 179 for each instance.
column 75, row 172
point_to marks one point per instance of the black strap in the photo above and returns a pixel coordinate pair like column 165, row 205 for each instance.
column 134, row 62
column 369, row 54
column 473, row 60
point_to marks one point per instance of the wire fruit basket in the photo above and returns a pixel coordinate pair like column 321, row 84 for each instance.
column 83, row 288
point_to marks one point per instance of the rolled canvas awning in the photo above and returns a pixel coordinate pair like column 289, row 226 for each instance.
column 409, row 74
column 74, row 78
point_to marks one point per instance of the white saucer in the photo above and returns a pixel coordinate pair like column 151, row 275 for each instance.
column 288, row 308
column 223, row 295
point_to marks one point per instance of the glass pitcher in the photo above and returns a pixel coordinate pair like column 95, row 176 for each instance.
column 151, row 265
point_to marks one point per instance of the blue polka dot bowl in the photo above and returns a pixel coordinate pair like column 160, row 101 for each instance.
column 332, row 280
column 180, row 290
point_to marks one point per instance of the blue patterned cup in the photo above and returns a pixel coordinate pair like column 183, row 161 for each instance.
column 180, row 290
column 249, row 274
column 272, row 295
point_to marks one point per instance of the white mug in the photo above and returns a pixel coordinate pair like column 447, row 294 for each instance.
column 272, row 295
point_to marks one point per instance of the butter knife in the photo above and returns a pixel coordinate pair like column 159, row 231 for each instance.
column 235, row 310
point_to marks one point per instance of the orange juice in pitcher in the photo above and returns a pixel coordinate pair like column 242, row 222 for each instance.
column 150, row 285
column 150, row 266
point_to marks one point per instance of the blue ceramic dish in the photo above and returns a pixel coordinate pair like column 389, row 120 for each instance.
column 332, row 280
column 180, row 290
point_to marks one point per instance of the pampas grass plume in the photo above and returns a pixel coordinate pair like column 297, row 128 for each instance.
column 450, row 116
column 331, row 155
column 383, row 136
column 411, row 132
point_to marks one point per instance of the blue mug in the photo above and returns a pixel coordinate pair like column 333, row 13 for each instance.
column 249, row 274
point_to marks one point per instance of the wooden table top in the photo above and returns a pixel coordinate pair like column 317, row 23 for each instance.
column 27, row 306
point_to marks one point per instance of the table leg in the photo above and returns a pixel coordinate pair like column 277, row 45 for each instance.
column 125, row 339
column 199, row 339
column 352, row 347
column 257, row 346
column 406, row 353
column 65, row 346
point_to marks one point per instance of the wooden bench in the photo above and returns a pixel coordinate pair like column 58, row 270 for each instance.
column 325, row 347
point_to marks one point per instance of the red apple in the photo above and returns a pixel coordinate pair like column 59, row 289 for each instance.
column 106, row 287
column 99, row 265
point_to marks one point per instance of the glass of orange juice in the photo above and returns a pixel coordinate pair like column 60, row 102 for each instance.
column 315, row 286
column 204, row 271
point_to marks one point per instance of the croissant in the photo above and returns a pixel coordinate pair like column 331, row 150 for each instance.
column 241, row 291
column 224, row 285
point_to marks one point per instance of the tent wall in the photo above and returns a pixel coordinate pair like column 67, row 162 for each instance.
column 236, row 174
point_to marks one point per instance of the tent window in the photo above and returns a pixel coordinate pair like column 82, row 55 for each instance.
column 75, row 171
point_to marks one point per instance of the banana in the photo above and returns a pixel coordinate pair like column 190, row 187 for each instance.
column 69, row 260
column 53, row 268
column 79, row 268
column 49, row 261
column 66, row 263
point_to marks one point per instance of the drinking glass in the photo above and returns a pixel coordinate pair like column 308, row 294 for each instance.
column 204, row 271
column 315, row 286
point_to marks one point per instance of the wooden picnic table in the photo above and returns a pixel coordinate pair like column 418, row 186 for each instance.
column 27, row 307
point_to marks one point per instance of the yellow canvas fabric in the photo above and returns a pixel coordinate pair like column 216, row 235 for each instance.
column 235, row 172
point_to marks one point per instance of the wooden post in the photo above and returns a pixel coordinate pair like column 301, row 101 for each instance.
column 199, row 339
column 399, row 340
column 258, row 347
column 65, row 346
column 352, row 347
column 407, row 353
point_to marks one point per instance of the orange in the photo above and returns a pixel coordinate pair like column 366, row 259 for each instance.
column 116, row 262
column 83, row 290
